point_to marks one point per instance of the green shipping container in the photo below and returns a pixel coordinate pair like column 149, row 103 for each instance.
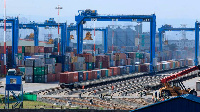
column 35, row 70
column 39, row 70
column 39, row 79
column 20, row 56
column 23, row 49
column 106, row 73
column 90, row 65
column 100, row 65
column 42, row 71
column 141, row 56
column 137, row 55
column 22, row 69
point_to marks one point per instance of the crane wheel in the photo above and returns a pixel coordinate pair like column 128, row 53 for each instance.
column 193, row 92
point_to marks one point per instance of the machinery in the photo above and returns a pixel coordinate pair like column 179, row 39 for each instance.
column 50, row 41
column 88, row 36
column 14, row 88
column 89, row 12
column 51, row 20
column 71, row 37
column 176, row 88
column 30, row 37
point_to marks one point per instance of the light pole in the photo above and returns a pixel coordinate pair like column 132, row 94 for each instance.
column 58, row 28
column 4, row 37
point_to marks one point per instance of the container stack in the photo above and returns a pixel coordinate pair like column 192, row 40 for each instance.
column 29, row 63
column 20, row 57
column 120, row 59
column 98, row 61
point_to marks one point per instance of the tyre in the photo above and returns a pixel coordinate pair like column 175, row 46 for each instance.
column 193, row 92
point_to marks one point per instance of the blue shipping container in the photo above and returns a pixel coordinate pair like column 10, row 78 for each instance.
column 98, row 74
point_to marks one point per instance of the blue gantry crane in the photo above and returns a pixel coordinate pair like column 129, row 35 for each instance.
column 28, row 26
column 15, row 37
column 104, row 30
column 170, row 28
column 92, row 15
column 63, row 27
column 165, row 28
column 35, row 27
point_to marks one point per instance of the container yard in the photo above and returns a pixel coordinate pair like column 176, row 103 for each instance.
column 99, row 60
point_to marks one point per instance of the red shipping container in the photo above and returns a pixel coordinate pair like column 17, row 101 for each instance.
column 94, row 74
column 58, row 76
column 88, row 57
column 40, row 49
column 36, row 49
column 110, row 72
column 47, row 49
column 114, row 69
column 98, row 58
column 53, row 77
column 103, row 72
column 1, row 49
column 75, row 76
column 118, row 71
column 68, row 77
column 19, row 49
column 63, row 78
column 58, row 67
column 128, row 61
column 49, row 77
column 9, row 48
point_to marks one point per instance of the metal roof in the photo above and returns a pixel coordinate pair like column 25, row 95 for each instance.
column 186, row 96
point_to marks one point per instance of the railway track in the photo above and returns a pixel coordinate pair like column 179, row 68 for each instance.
column 121, row 88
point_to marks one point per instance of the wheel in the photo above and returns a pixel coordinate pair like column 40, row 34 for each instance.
column 193, row 92
column 62, row 86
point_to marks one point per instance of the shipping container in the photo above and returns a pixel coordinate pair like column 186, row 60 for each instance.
column 28, row 79
column 28, row 70
column 29, row 62
column 39, row 78
column 80, row 76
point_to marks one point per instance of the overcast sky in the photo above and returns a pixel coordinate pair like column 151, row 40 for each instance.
column 174, row 12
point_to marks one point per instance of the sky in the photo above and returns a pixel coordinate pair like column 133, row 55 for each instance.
column 174, row 12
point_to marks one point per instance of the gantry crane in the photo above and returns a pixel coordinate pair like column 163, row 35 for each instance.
column 15, row 35
column 15, row 38
column 92, row 15
column 170, row 28
column 73, row 28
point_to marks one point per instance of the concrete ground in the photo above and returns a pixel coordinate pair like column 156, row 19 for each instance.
column 29, row 87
